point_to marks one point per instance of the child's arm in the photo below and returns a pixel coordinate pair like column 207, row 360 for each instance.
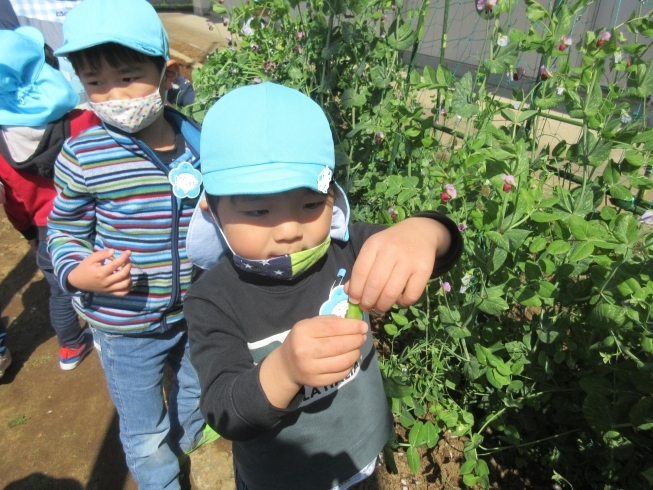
column 71, row 231
column 395, row 264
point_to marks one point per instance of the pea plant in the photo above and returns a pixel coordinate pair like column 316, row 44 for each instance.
column 538, row 346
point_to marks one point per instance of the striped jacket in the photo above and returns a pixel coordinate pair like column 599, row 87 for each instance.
column 113, row 192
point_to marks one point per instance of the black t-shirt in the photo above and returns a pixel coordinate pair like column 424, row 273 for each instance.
column 327, row 434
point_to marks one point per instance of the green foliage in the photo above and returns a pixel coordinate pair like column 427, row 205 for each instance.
column 541, row 340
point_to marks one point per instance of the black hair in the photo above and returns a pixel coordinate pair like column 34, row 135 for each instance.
column 116, row 55
column 50, row 58
column 213, row 201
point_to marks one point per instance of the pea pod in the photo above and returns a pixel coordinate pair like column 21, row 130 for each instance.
column 354, row 312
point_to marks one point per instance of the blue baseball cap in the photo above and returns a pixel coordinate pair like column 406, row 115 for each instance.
column 264, row 139
column 32, row 93
column 131, row 23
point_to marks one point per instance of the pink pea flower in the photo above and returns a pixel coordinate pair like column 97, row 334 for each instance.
column 393, row 213
column 300, row 34
column 445, row 197
column 545, row 74
column 486, row 5
column 508, row 179
column 225, row 21
column 257, row 80
column 603, row 37
column 647, row 217
column 518, row 73
column 209, row 24
column 446, row 287
column 300, row 49
column 451, row 190
column 565, row 42
column 508, row 182
column 378, row 137
column 462, row 227
column 256, row 48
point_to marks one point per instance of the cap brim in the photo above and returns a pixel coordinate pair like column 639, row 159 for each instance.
column 268, row 178
column 102, row 38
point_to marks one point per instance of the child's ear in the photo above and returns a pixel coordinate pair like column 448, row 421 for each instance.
column 204, row 206
column 171, row 74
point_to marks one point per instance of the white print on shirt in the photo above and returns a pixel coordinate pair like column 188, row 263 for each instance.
column 312, row 394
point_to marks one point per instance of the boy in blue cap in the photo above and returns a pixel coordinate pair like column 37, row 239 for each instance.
column 36, row 116
column 284, row 374
column 117, row 232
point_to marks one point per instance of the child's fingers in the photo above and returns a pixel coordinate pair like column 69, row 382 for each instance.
column 414, row 288
column 119, row 275
column 394, row 282
column 328, row 326
column 119, row 261
column 100, row 256
column 121, row 288
column 360, row 273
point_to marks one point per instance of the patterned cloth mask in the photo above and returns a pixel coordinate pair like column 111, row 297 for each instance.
column 131, row 115
column 287, row 266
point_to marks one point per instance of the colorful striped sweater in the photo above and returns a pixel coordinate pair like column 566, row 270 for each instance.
column 113, row 192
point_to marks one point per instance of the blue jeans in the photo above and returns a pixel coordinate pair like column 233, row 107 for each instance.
column 151, row 436
column 63, row 316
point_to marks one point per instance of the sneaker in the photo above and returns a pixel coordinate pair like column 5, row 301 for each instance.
column 70, row 358
column 5, row 362
column 208, row 436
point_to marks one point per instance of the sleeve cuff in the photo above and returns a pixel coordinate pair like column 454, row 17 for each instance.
column 30, row 233
column 253, row 406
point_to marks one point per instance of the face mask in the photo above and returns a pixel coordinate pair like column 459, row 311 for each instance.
column 287, row 266
column 131, row 115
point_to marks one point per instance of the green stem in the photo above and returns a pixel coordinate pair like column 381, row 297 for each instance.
column 493, row 450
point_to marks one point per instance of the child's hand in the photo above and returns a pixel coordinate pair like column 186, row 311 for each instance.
column 395, row 264
column 317, row 352
column 93, row 275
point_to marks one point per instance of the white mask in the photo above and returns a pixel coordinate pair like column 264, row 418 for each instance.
column 131, row 115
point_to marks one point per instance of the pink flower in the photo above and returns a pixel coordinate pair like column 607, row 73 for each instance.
column 256, row 48
column 300, row 34
column 462, row 227
column 225, row 21
column 393, row 213
column 545, row 74
column 508, row 179
column 379, row 136
column 647, row 217
column 257, row 80
column 451, row 190
column 446, row 287
column 486, row 5
column 300, row 49
column 506, row 187
column 519, row 72
column 443, row 112
column 445, row 197
column 209, row 24
column 565, row 42
column 604, row 36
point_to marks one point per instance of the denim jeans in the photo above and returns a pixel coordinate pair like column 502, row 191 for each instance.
column 63, row 316
column 151, row 436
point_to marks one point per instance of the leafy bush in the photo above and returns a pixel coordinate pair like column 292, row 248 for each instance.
column 540, row 342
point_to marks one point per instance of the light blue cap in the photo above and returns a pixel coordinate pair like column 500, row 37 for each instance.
column 264, row 139
column 32, row 93
column 131, row 23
